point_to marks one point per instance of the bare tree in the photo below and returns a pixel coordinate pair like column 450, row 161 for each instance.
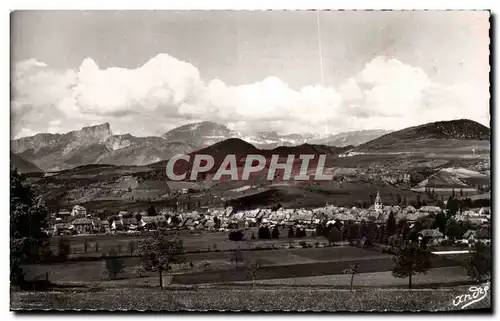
column 236, row 257
column 353, row 269
column 253, row 266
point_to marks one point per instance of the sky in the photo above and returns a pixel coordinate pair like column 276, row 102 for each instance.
column 146, row 72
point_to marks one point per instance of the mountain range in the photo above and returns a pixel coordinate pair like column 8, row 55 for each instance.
column 98, row 145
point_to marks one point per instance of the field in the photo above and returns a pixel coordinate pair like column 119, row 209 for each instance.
column 245, row 298
column 192, row 241
column 217, row 267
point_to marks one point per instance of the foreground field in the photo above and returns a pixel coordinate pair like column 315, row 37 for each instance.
column 432, row 278
column 246, row 299
column 217, row 267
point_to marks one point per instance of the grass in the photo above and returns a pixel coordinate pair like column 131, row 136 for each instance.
column 376, row 279
column 244, row 299
column 193, row 241
column 282, row 263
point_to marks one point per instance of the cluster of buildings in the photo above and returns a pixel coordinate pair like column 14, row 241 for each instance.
column 78, row 221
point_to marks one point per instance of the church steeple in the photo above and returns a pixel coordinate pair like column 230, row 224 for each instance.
column 378, row 202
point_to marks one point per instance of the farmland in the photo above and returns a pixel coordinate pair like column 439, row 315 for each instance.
column 217, row 266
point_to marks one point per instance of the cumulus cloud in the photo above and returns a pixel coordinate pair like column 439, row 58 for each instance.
column 166, row 92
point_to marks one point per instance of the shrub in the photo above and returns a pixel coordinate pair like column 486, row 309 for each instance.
column 275, row 233
column 114, row 264
column 131, row 247
column 236, row 236
column 64, row 249
column 264, row 233
column 303, row 244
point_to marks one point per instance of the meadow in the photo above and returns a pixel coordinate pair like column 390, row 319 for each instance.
column 245, row 298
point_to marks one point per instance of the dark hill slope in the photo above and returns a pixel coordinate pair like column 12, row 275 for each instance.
column 462, row 129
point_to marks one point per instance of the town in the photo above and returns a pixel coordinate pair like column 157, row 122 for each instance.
column 440, row 225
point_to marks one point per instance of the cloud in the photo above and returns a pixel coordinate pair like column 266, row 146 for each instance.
column 166, row 92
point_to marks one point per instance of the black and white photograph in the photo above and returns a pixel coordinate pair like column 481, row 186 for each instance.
column 250, row 160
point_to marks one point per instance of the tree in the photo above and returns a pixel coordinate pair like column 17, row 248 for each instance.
column 334, row 236
column 275, row 233
column 291, row 234
column 138, row 217
column 253, row 236
column 382, row 234
column 338, row 225
column 140, row 270
column 252, row 267
column 398, row 198
column 394, row 241
column 85, row 245
column 264, row 233
column 404, row 228
column 217, row 222
column 320, row 230
column 391, row 225
column 28, row 219
column 114, row 264
column 453, row 229
column 131, row 247
column 353, row 269
column 353, row 233
column 111, row 219
column 236, row 257
column 451, row 206
column 410, row 260
column 152, row 210
column 236, row 236
column 440, row 222
column 64, row 249
column 478, row 265
column 158, row 253
column 369, row 231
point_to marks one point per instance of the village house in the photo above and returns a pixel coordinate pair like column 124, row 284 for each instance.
column 78, row 211
column 65, row 216
column 430, row 209
column 469, row 237
column 480, row 235
column 117, row 225
column 105, row 226
column 434, row 236
column 83, row 225
column 63, row 229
